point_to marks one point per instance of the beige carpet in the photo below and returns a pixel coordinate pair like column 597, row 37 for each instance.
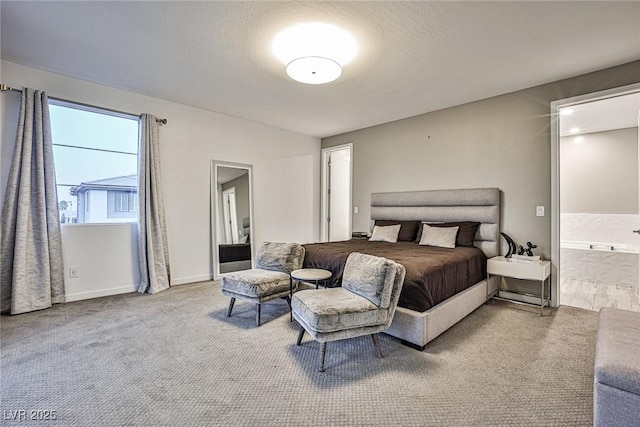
column 175, row 359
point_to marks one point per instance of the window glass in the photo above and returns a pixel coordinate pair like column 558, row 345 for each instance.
column 96, row 158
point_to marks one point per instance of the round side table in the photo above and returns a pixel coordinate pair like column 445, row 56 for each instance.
column 314, row 275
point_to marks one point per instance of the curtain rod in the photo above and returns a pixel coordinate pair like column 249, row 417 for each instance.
column 5, row 88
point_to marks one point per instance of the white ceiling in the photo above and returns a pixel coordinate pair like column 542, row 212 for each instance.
column 414, row 57
column 618, row 112
column 226, row 174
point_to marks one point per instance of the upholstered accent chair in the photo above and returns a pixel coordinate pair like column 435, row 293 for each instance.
column 269, row 280
column 364, row 305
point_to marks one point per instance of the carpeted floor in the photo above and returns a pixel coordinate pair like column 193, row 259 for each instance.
column 175, row 359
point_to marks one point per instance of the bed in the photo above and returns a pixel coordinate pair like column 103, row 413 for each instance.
column 442, row 285
column 236, row 256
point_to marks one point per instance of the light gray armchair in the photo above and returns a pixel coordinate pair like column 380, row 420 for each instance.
column 364, row 305
column 269, row 280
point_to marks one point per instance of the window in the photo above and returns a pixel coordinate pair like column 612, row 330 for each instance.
column 122, row 204
column 125, row 202
column 96, row 156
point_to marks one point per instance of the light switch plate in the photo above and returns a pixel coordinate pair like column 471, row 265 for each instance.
column 539, row 210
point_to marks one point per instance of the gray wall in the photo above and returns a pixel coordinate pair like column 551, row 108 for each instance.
column 599, row 172
column 502, row 142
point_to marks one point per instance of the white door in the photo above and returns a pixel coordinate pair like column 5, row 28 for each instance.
column 337, row 172
column 637, row 230
column 230, row 215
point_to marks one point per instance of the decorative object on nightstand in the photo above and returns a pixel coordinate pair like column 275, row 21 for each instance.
column 528, row 250
column 531, row 270
column 511, row 243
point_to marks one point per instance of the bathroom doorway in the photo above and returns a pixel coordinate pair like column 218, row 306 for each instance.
column 337, row 172
column 597, row 208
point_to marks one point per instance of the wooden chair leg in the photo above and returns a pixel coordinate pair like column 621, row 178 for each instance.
column 324, row 351
column 300, row 335
column 233, row 300
column 376, row 344
column 258, row 308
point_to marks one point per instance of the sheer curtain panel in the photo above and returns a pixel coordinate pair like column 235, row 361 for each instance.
column 31, row 266
column 152, row 229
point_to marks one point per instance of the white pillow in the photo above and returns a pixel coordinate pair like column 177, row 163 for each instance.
column 444, row 237
column 387, row 233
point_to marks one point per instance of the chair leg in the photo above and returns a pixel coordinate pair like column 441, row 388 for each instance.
column 324, row 351
column 300, row 335
column 288, row 298
column 233, row 300
column 376, row 344
column 258, row 308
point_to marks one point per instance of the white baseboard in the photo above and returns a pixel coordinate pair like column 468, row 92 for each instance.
column 192, row 279
column 78, row 296
column 100, row 293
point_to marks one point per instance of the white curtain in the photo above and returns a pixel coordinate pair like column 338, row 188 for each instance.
column 31, row 267
column 152, row 229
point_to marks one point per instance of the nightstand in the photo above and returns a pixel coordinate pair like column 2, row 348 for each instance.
column 534, row 270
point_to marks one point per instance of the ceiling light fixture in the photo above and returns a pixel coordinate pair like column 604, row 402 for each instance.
column 314, row 52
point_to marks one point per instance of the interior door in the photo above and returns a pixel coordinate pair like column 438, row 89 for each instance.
column 230, row 215
column 637, row 230
column 339, row 194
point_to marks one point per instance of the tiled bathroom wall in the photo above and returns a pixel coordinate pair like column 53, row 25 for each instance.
column 600, row 228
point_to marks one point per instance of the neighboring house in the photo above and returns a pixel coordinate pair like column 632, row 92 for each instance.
column 107, row 200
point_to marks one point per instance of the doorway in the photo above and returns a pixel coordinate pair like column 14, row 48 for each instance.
column 595, row 207
column 337, row 171
column 229, row 215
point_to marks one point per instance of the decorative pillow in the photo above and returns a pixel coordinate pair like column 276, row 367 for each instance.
column 385, row 234
column 466, row 233
column 444, row 237
column 371, row 277
column 408, row 229
column 284, row 257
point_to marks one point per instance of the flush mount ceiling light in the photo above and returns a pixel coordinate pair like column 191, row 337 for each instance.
column 314, row 52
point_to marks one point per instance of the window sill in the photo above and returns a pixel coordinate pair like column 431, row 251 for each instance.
column 101, row 224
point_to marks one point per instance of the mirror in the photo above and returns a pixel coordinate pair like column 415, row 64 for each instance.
column 231, row 217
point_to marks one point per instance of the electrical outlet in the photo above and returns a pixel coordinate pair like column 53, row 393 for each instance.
column 73, row 272
column 355, row 210
column 539, row 210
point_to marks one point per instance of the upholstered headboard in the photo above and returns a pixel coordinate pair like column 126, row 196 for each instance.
column 473, row 204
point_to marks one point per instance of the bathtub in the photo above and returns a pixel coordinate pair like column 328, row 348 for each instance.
column 598, row 246
column 600, row 262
